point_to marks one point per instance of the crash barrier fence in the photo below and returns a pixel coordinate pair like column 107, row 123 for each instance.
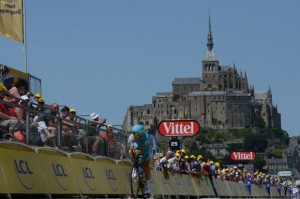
column 51, row 173
column 84, row 134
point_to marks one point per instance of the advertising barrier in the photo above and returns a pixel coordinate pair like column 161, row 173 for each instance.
column 21, row 168
column 60, row 175
column 48, row 171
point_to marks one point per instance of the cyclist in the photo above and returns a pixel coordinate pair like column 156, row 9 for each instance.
column 140, row 144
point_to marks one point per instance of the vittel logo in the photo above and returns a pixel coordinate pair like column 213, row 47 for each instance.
column 242, row 155
column 179, row 128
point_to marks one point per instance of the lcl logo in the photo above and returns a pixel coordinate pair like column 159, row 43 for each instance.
column 61, row 176
column 24, row 173
column 110, row 175
column 59, row 170
column 87, row 173
column 111, row 179
column 22, row 167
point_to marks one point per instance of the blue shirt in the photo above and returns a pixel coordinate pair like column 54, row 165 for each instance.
column 144, row 140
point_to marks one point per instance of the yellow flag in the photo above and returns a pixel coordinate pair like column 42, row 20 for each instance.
column 11, row 19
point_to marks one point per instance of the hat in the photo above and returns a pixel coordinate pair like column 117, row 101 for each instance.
column 192, row 156
column 187, row 157
column 161, row 155
column 199, row 157
column 72, row 110
column 2, row 87
column 177, row 154
column 178, row 151
column 109, row 126
column 24, row 97
column 183, row 151
column 38, row 95
column 41, row 100
column 94, row 116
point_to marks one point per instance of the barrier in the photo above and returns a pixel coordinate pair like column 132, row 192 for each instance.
column 59, row 173
column 21, row 169
column 112, row 179
column 47, row 171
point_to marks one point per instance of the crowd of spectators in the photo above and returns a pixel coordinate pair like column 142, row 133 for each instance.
column 179, row 162
column 50, row 123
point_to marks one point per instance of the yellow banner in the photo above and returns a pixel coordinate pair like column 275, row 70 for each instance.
column 11, row 19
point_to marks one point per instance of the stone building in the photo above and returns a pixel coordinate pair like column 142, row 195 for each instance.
column 221, row 98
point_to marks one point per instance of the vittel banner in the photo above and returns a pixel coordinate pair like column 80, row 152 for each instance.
column 179, row 128
column 243, row 155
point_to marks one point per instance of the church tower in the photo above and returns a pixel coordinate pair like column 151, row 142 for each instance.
column 210, row 65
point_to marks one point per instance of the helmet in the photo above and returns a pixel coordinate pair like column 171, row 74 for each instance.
column 138, row 128
column 3, row 69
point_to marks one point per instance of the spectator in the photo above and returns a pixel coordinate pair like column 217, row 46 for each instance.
column 68, row 127
column 95, row 124
column 4, row 71
column 109, row 139
column 164, row 163
column 36, row 97
column 19, row 88
column 46, row 123
column 20, row 112
column 8, row 122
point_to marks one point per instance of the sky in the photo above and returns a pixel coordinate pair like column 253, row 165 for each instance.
column 104, row 56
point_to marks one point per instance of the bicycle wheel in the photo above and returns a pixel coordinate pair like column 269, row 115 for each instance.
column 137, row 185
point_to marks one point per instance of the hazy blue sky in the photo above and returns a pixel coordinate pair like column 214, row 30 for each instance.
column 103, row 56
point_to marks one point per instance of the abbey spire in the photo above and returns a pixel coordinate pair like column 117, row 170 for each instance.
column 210, row 53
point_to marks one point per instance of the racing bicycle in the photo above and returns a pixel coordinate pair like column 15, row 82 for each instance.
column 137, row 177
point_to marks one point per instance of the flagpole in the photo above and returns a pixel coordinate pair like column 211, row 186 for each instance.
column 24, row 35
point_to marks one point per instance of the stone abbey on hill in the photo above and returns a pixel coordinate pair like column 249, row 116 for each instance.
column 221, row 98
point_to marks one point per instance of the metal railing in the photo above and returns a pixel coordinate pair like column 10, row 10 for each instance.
column 84, row 133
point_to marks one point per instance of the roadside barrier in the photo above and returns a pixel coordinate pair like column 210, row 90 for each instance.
column 49, row 172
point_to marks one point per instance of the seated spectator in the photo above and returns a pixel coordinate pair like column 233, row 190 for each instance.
column 46, row 124
column 8, row 122
column 19, row 88
column 36, row 97
column 20, row 112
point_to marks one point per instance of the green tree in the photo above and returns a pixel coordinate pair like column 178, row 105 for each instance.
column 255, row 142
column 259, row 163
column 259, row 122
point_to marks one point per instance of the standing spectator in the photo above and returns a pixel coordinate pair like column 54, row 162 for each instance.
column 95, row 124
column 109, row 139
column 68, row 127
